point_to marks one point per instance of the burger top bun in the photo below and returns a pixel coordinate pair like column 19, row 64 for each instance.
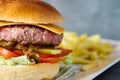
column 28, row 11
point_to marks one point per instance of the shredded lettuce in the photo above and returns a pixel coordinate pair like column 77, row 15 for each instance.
column 2, row 60
column 68, row 60
column 22, row 60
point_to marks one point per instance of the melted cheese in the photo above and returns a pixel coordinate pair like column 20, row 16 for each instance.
column 51, row 27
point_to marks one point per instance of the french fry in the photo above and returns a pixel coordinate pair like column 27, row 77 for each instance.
column 90, row 66
column 83, row 38
column 79, row 60
column 94, row 55
column 95, row 38
column 102, row 56
column 86, row 50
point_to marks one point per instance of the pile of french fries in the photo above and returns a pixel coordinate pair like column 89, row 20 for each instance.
column 86, row 50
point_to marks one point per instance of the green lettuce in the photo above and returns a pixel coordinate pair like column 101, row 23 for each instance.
column 68, row 60
column 22, row 60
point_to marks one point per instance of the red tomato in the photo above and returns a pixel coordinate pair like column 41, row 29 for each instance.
column 44, row 55
column 52, row 59
column 63, row 53
column 19, row 52
column 7, row 53
column 47, row 58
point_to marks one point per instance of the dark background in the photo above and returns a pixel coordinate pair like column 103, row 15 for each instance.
column 93, row 17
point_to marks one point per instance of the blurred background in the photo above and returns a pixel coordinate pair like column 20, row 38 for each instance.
column 91, row 16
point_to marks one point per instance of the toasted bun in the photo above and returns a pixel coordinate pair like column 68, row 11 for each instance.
column 29, row 72
column 28, row 11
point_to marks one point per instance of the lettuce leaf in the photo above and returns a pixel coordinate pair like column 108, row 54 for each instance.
column 22, row 60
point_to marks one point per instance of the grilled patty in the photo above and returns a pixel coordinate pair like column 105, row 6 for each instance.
column 27, row 34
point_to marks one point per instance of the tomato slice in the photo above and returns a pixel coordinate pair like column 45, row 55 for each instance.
column 54, row 58
column 7, row 53
column 44, row 55
column 46, row 58
column 19, row 52
column 51, row 59
column 63, row 53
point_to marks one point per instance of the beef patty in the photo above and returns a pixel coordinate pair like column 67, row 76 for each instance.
column 27, row 34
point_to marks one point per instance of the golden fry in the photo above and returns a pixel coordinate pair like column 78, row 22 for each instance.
column 90, row 66
column 95, row 38
column 94, row 55
column 86, row 50
column 79, row 60
column 102, row 56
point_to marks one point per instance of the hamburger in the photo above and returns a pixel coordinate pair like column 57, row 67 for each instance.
column 29, row 36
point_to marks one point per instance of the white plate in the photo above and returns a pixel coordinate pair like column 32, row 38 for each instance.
column 103, row 65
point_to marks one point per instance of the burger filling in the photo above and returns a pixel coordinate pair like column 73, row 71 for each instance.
column 25, row 44
column 24, row 35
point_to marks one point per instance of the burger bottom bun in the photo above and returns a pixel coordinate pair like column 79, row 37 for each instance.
column 29, row 72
